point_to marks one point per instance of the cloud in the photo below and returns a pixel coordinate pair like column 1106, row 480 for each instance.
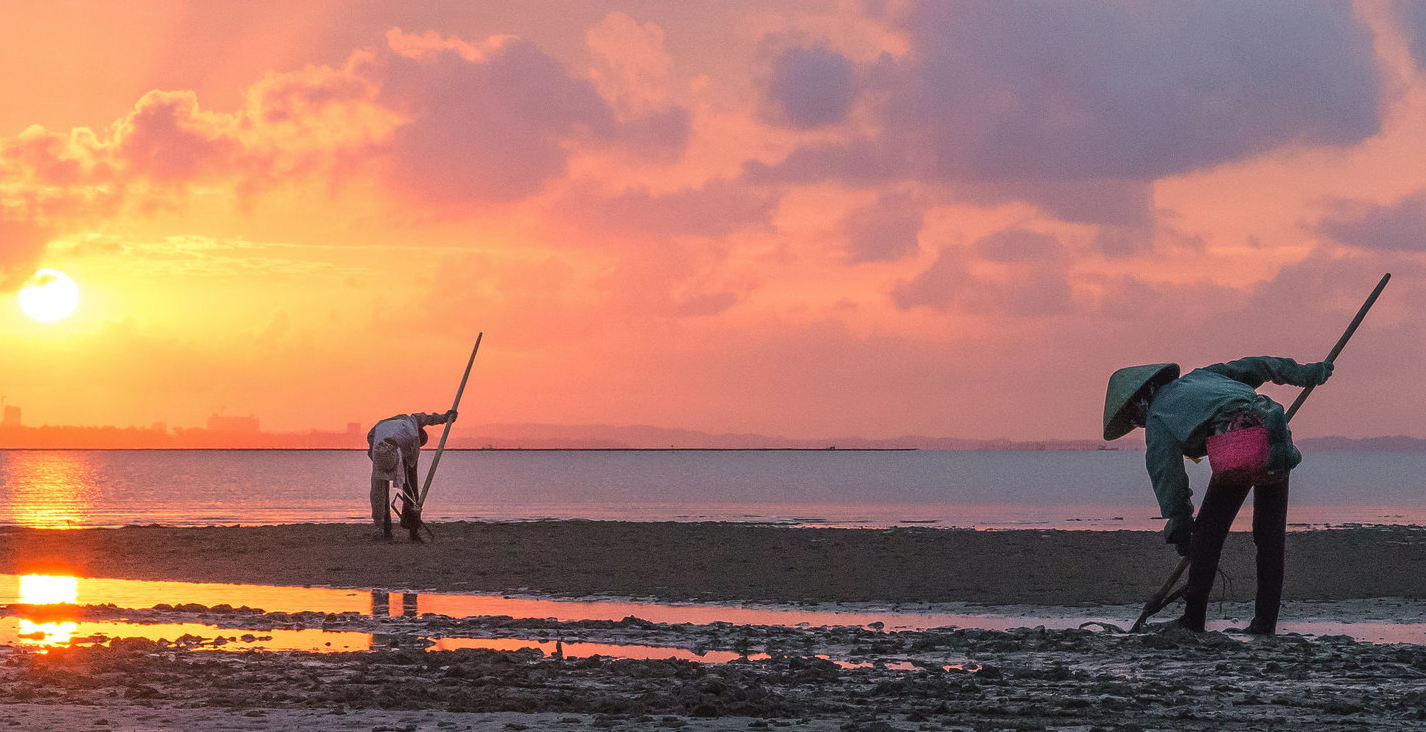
column 859, row 162
column 717, row 208
column 169, row 140
column 884, row 232
column 1119, row 89
column 809, row 88
column 1411, row 17
column 484, row 123
column 1395, row 227
column 632, row 67
column 441, row 120
column 1123, row 241
column 21, row 243
column 1030, row 280
column 1045, row 102
column 661, row 136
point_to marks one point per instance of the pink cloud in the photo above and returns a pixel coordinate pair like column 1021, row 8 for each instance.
column 1034, row 283
column 167, row 139
column 717, row 208
column 1048, row 104
column 885, row 231
column 490, row 125
column 21, row 243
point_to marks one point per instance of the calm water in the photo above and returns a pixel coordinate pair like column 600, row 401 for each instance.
column 1397, row 623
column 1068, row 490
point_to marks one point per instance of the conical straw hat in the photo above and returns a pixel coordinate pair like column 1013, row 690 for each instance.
column 1123, row 385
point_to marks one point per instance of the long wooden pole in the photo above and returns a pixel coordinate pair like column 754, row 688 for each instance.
column 1165, row 595
column 436, row 459
column 1342, row 341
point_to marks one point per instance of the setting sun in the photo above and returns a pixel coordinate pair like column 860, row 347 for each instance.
column 49, row 296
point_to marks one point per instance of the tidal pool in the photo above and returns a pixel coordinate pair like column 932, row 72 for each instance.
column 1371, row 621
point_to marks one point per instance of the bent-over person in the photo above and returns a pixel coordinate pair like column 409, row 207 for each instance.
column 1180, row 416
column 394, row 446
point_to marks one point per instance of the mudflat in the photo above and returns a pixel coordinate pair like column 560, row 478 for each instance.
column 844, row 678
column 722, row 561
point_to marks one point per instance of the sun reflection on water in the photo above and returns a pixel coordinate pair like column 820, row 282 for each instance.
column 46, row 490
column 42, row 589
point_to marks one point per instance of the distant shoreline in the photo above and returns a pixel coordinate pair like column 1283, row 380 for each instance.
column 507, row 449
column 1328, row 445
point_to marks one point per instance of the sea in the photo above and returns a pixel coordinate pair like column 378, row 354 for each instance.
column 988, row 490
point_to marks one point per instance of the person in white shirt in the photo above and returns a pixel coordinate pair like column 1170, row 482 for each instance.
column 394, row 446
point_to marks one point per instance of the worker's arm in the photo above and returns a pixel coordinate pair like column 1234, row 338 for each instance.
column 1164, row 460
column 429, row 420
column 1258, row 370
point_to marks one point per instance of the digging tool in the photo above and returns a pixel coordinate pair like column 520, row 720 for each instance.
column 413, row 511
column 1166, row 594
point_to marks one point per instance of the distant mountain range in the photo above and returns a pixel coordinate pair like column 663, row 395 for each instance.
column 645, row 437
column 1393, row 443
column 612, row 437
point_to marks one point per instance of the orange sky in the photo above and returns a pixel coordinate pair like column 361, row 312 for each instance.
column 806, row 219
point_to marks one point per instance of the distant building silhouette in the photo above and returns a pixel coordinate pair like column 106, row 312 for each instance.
column 12, row 417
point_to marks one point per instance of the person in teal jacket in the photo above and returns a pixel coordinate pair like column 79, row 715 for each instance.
column 1178, row 414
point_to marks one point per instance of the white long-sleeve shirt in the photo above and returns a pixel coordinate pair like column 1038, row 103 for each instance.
column 403, row 430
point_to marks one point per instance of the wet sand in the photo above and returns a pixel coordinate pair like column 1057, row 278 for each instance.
column 721, row 561
column 936, row 679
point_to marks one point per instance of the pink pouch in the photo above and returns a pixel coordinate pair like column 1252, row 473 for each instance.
column 1239, row 455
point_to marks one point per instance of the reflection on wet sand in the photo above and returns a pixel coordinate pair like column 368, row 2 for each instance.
column 21, row 632
column 219, row 604
column 567, row 649
column 389, row 604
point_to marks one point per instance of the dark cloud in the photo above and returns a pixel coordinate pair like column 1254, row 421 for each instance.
column 495, row 124
column 884, row 232
column 810, row 87
column 486, row 129
column 1397, row 227
column 1411, row 18
column 1123, row 89
column 719, row 207
column 1034, row 284
column 1042, row 101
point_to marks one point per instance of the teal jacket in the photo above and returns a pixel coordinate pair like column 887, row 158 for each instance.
column 1203, row 402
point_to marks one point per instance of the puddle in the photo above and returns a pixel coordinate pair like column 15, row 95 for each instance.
column 1395, row 622
column 23, row 632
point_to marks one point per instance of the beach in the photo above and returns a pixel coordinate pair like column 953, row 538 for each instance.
column 939, row 678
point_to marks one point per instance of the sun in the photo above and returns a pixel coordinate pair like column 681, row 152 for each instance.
column 50, row 295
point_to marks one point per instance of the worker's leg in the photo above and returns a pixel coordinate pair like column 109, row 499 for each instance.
column 1270, row 535
column 380, row 511
column 406, row 499
column 1221, row 502
column 410, row 515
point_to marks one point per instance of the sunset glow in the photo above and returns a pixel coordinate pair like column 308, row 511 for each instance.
column 812, row 220
column 42, row 589
column 49, row 296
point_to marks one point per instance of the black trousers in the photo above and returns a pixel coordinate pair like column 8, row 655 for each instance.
column 1215, row 517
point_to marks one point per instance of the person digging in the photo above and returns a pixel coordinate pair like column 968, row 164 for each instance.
column 394, row 446
column 1216, row 411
